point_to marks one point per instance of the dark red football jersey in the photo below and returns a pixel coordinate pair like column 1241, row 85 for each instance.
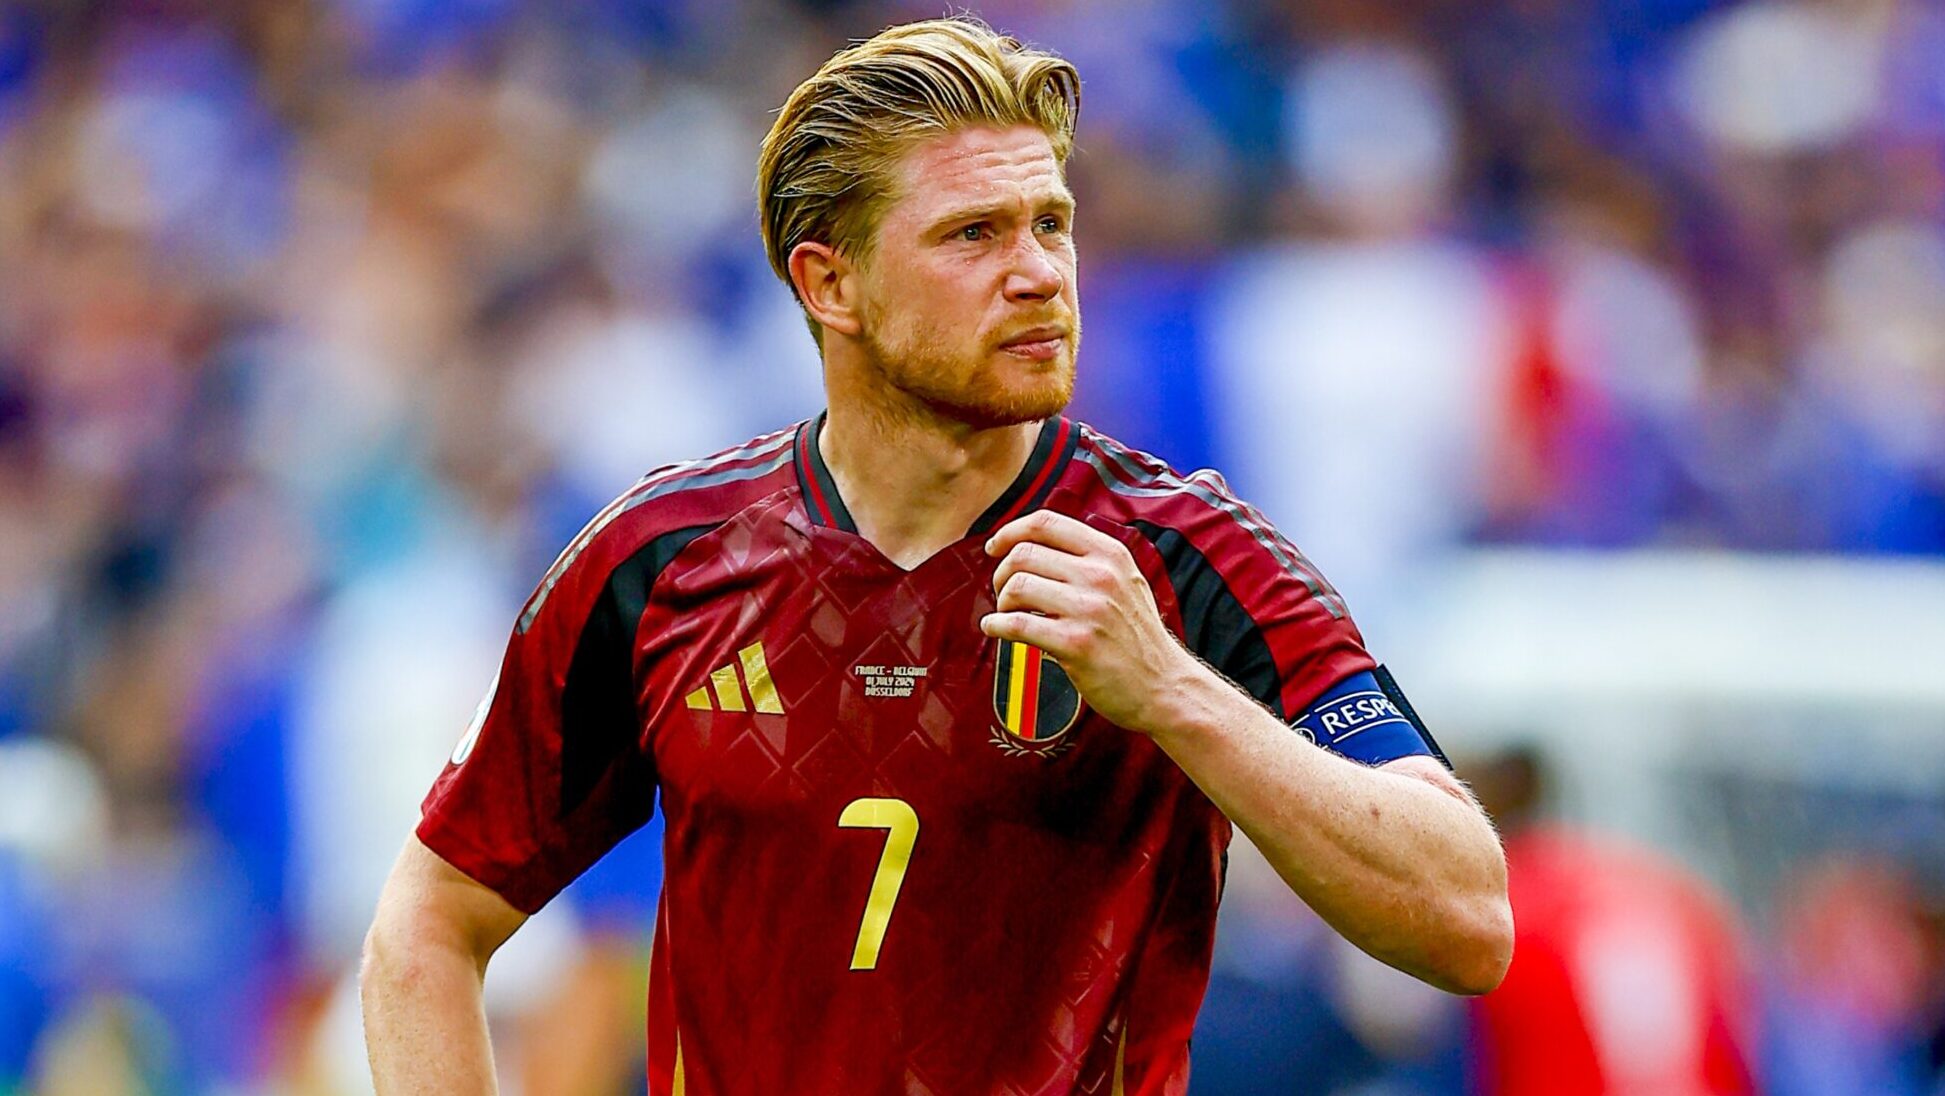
column 901, row 857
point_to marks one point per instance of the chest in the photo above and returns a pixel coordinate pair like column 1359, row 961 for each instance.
column 801, row 678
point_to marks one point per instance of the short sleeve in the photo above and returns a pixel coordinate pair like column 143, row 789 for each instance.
column 1260, row 613
column 552, row 772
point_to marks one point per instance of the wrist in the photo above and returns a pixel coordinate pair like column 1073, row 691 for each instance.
column 1185, row 697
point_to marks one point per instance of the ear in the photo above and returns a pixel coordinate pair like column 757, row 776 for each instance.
column 827, row 284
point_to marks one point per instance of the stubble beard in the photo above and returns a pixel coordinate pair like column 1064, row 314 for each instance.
column 974, row 392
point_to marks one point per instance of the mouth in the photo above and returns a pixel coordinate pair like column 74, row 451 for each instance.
column 1037, row 344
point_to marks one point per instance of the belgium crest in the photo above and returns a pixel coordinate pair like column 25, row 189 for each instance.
column 1034, row 701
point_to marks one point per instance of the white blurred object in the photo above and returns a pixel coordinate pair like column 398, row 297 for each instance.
column 1639, row 673
column 676, row 176
column 1390, row 1011
column 1624, row 324
column 1643, row 998
column 1779, row 77
column 319, row 409
column 615, row 395
column 1356, row 382
column 401, row 658
column 1512, row 632
column 149, row 158
column 1884, row 306
column 53, row 811
column 1371, row 133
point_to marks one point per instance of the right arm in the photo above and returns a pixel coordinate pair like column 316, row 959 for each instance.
column 553, row 773
column 424, row 964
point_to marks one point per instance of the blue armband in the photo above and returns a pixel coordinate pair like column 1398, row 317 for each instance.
column 1366, row 718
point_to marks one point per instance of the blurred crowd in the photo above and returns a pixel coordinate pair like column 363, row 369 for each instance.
column 323, row 323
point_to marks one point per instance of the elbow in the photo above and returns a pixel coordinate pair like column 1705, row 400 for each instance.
column 378, row 961
column 396, row 954
column 1480, row 957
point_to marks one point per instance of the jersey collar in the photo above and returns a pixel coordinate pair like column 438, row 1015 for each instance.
column 1028, row 491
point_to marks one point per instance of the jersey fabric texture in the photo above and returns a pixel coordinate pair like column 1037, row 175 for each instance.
column 901, row 857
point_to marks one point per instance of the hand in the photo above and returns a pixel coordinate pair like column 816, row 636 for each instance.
column 1075, row 593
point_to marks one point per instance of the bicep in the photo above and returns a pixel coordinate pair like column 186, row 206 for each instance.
column 427, row 899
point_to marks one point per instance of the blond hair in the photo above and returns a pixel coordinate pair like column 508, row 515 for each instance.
column 825, row 169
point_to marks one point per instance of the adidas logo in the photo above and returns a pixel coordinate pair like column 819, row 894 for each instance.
column 727, row 685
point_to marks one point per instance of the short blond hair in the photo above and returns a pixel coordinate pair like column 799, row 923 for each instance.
column 825, row 169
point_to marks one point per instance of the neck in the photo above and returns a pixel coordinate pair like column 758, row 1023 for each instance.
column 913, row 480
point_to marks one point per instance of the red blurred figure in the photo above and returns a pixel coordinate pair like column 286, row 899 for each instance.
column 1627, row 974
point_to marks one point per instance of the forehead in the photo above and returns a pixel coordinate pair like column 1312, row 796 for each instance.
column 977, row 166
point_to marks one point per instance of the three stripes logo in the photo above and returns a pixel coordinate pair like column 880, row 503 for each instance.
column 1034, row 700
column 726, row 689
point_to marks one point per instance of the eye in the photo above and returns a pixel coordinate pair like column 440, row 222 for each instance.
column 973, row 232
column 1051, row 224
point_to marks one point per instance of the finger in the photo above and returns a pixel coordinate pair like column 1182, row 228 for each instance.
column 1055, row 530
column 1046, row 633
column 1029, row 592
column 1038, row 559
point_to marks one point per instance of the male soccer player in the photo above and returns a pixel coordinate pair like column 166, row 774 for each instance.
column 950, row 701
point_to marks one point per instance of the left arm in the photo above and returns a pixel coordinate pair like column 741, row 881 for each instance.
column 1399, row 859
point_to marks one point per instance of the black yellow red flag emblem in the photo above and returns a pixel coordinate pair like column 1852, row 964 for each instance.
column 1033, row 698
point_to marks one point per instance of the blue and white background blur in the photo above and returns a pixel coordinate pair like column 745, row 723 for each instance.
column 1595, row 348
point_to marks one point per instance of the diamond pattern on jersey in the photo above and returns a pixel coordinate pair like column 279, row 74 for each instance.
column 1033, row 885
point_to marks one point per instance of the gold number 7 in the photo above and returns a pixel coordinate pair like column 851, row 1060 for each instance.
column 901, row 823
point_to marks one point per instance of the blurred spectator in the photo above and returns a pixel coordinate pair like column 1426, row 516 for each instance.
column 1856, row 984
column 1355, row 365
column 1292, row 1007
column 1629, row 974
column 323, row 324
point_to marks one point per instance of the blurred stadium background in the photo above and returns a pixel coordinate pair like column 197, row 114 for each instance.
column 1595, row 347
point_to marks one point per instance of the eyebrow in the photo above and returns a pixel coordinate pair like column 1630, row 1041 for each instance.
column 1061, row 202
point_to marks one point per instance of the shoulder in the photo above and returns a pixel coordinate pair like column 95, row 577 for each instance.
column 1118, row 481
column 1193, row 518
column 644, row 526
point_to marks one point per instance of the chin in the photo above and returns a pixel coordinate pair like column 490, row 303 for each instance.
column 1000, row 391
column 1009, row 400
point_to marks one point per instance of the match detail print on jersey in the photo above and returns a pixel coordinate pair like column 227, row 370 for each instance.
column 1033, row 699
column 793, row 774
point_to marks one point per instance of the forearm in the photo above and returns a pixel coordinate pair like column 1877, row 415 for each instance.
column 425, row 1025
column 1409, row 871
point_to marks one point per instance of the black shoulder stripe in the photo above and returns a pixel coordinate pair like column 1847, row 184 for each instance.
column 1389, row 686
column 1214, row 623
column 686, row 476
column 1157, row 479
column 598, row 718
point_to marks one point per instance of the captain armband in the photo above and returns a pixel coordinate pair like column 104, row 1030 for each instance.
column 1366, row 718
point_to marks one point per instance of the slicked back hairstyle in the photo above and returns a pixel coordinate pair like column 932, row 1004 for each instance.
column 825, row 169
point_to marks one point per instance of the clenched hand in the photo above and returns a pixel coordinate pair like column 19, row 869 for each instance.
column 1075, row 593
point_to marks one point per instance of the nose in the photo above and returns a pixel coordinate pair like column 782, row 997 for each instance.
column 1035, row 275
